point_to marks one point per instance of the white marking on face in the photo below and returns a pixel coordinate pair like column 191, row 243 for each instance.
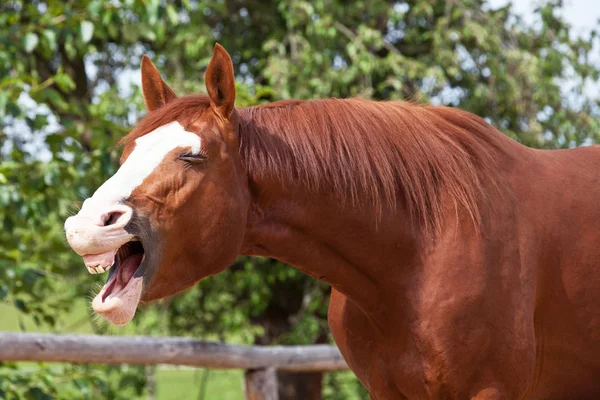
column 148, row 153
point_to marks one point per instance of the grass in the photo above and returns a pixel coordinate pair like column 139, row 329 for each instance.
column 186, row 384
column 13, row 321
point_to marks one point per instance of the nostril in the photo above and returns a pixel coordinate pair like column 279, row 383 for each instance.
column 112, row 217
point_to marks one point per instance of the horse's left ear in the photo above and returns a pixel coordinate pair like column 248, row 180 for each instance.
column 220, row 82
column 156, row 92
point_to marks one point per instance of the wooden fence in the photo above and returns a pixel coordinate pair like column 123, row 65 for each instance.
column 259, row 362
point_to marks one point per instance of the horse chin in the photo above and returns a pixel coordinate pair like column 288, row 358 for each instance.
column 118, row 299
column 119, row 308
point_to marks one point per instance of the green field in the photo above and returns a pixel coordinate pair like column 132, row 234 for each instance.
column 179, row 383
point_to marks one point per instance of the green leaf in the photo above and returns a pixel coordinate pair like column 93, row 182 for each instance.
column 3, row 103
column 172, row 14
column 50, row 37
column 95, row 8
column 86, row 29
column 64, row 82
column 31, row 42
column 37, row 393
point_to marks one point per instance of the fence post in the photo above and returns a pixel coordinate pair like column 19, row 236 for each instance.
column 261, row 384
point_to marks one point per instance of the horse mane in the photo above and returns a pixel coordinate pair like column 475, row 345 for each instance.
column 371, row 154
column 374, row 154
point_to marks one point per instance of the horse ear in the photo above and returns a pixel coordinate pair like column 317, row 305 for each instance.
column 156, row 92
column 220, row 82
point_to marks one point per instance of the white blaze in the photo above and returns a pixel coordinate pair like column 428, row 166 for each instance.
column 148, row 153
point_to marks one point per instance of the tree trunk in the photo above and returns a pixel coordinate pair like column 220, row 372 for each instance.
column 261, row 384
column 287, row 301
column 300, row 385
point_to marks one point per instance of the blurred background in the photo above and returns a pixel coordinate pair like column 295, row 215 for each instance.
column 70, row 88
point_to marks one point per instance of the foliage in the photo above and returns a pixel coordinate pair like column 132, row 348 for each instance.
column 241, row 302
column 70, row 382
column 65, row 99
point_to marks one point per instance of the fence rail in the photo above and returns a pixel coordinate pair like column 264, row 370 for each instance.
column 258, row 361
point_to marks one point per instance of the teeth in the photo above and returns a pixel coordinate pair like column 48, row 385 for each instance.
column 99, row 269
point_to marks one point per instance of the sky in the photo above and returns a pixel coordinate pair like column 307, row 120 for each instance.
column 582, row 14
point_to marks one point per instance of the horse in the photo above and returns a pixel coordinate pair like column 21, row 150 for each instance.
column 463, row 264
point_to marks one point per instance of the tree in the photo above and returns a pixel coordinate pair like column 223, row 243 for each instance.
column 63, row 107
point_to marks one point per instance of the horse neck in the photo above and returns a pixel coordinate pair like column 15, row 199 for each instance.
column 323, row 236
column 312, row 233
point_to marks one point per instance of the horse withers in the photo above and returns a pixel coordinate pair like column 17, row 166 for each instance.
column 463, row 264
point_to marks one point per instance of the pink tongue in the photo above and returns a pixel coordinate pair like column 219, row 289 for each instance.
column 124, row 275
column 128, row 268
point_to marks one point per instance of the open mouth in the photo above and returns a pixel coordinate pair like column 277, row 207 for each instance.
column 118, row 299
column 128, row 259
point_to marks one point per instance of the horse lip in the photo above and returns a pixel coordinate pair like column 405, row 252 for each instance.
column 87, row 238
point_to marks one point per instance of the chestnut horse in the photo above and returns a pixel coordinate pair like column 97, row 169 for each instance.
column 463, row 264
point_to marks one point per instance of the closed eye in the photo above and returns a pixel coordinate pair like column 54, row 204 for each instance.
column 192, row 158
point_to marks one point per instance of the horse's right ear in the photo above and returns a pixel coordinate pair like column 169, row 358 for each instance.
column 156, row 92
